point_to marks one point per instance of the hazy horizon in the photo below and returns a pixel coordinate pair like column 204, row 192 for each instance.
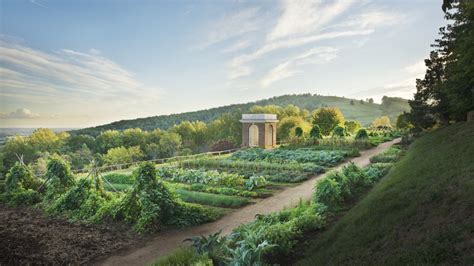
column 78, row 64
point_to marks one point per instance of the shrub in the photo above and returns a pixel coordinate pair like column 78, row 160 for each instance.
column 17, row 198
column 184, row 256
column 298, row 132
column 327, row 119
column 315, row 132
column 149, row 204
column 20, row 178
column 59, row 177
column 282, row 237
column 339, row 131
column 328, row 192
column 255, row 182
column 81, row 202
column 362, row 134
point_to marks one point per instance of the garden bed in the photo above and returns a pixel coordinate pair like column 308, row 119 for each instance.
column 30, row 237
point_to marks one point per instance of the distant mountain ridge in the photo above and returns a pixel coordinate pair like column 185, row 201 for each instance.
column 364, row 112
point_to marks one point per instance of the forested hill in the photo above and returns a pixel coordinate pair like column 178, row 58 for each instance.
column 363, row 111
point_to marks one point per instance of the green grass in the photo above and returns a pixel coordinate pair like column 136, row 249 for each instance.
column 116, row 187
column 212, row 199
column 422, row 212
column 183, row 256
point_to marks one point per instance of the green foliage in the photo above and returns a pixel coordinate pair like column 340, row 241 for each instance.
column 121, row 155
column 323, row 158
column 23, row 197
column 251, row 247
column 184, row 256
column 362, row 134
column 315, row 132
column 352, row 126
column 403, row 121
column 389, row 156
column 254, row 182
column 212, row 199
column 339, row 132
column 212, row 246
column 118, row 178
column 192, row 176
column 20, row 178
column 328, row 192
column 298, row 132
column 149, row 204
column 327, row 119
column 169, row 144
column 82, row 202
column 59, row 177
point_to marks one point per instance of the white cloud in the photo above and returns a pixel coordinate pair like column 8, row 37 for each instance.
column 306, row 16
column 20, row 113
column 240, row 62
column 233, row 25
column 242, row 44
column 81, row 82
column 417, row 68
column 286, row 69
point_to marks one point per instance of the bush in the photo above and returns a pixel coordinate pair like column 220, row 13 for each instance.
column 328, row 192
column 315, row 132
column 362, row 134
column 339, row 131
column 59, row 177
column 184, row 256
column 282, row 237
column 20, row 178
column 17, row 198
column 81, row 202
column 149, row 204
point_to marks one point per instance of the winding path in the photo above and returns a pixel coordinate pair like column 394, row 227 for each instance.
column 165, row 242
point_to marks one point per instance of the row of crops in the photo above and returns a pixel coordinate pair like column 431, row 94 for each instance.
column 238, row 179
column 276, row 238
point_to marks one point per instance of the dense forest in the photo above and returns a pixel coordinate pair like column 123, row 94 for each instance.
column 363, row 111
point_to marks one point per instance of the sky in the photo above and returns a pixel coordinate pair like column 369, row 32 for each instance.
column 84, row 63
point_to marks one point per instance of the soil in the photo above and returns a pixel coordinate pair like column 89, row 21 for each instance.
column 28, row 236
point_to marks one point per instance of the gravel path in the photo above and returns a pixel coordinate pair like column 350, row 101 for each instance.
column 165, row 242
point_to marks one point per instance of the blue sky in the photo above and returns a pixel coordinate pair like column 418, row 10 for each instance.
column 83, row 63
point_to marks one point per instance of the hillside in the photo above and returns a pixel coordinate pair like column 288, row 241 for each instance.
column 422, row 212
column 364, row 112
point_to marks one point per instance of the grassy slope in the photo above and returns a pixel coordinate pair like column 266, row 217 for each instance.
column 421, row 212
column 365, row 113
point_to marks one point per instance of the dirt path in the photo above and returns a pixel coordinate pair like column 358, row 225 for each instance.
column 165, row 242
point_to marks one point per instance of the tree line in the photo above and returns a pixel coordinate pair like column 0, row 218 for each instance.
column 446, row 93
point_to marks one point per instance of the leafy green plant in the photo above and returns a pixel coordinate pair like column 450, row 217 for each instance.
column 362, row 134
column 212, row 246
column 59, row 177
column 328, row 192
column 255, row 182
column 212, row 199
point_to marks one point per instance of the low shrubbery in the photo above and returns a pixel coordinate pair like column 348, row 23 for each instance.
column 212, row 199
column 324, row 158
column 117, row 178
column 389, row 156
column 199, row 176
